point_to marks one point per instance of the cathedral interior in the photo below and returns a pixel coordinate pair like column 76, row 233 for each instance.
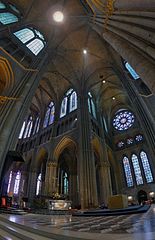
column 77, row 104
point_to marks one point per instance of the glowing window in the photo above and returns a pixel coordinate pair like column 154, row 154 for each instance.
column 2, row 5
column 123, row 120
column 24, row 35
column 35, row 46
column 137, row 169
column 139, row 138
column 63, row 107
column 129, row 141
column 131, row 71
column 49, row 116
column 36, row 126
column 17, row 182
column 73, row 101
column 120, row 144
column 28, row 129
column 65, row 183
column 91, row 105
column 22, row 131
column 7, row 18
column 127, row 171
column 9, row 182
column 33, row 39
column 146, row 167
column 38, row 189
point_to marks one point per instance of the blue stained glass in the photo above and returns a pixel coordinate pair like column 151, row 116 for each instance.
column 7, row 18
column 146, row 167
column 93, row 108
column 139, row 138
column 51, row 117
column 65, row 183
column 73, row 102
column 46, row 118
column 129, row 141
column 123, row 120
column 2, row 5
column 127, row 171
column 137, row 170
column 120, row 144
column 131, row 71
column 24, row 35
column 63, row 107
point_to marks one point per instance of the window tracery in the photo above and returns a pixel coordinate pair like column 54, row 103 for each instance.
column 146, row 167
column 127, row 170
column 49, row 116
column 137, row 169
column 17, row 182
column 91, row 105
column 69, row 103
column 123, row 120
column 32, row 39
column 8, row 13
column 131, row 71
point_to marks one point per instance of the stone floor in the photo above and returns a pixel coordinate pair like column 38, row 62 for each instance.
column 105, row 227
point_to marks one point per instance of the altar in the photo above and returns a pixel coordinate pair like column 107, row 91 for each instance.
column 59, row 204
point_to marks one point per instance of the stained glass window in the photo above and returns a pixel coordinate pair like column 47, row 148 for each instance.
column 146, row 167
column 14, row 8
column 63, row 107
column 137, row 169
column 65, row 183
column 2, row 5
column 24, row 35
column 38, row 188
column 123, row 120
column 17, row 182
column 33, row 39
column 36, row 127
column 9, row 182
column 7, row 18
column 28, row 129
column 127, row 171
column 129, row 141
column 139, row 138
column 69, row 103
column 22, row 131
column 91, row 105
column 49, row 116
column 131, row 71
column 120, row 144
column 73, row 102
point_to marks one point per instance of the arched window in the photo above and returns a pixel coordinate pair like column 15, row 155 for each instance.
column 9, row 182
column 69, row 103
column 127, row 171
column 32, row 39
column 137, row 169
column 7, row 18
column 38, row 188
column 22, row 130
column 73, row 101
column 65, row 183
column 28, row 128
column 91, row 105
column 131, row 71
column 17, row 182
column 49, row 116
column 146, row 167
column 37, row 125
column 8, row 13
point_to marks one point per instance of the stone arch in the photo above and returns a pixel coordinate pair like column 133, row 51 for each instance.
column 42, row 155
column 64, row 143
column 6, row 75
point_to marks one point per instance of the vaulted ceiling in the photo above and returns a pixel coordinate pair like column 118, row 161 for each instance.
column 68, row 66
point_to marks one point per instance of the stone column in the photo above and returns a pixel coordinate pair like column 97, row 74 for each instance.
column 105, row 182
column 50, row 178
column 32, row 183
column 74, row 190
column 87, row 173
